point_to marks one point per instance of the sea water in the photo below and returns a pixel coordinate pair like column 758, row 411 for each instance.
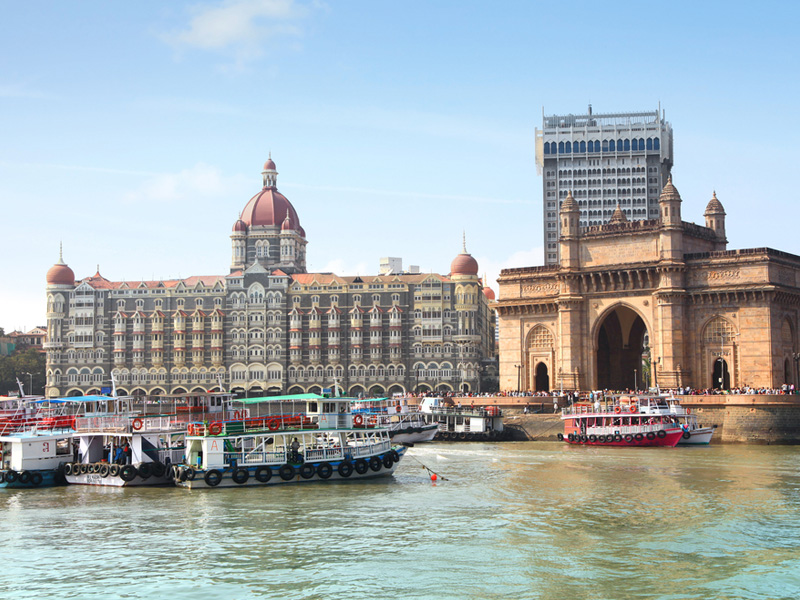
column 505, row 520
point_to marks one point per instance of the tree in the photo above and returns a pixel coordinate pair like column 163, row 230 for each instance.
column 17, row 366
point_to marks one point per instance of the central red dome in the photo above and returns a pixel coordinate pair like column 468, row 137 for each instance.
column 464, row 264
column 269, row 208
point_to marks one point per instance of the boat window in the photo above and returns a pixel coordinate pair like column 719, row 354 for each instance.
column 63, row 446
column 312, row 407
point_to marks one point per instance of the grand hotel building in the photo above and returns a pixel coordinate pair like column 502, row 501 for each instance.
column 268, row 326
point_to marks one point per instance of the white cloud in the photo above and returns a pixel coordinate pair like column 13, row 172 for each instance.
column 240, row 26
column 201, row 180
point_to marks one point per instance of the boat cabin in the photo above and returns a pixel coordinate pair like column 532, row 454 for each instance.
column 34, row 451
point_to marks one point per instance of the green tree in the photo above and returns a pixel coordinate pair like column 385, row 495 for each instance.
column 17, row 366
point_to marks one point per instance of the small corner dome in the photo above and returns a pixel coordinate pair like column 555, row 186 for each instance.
column 240, row 226
column 669, row 192
column 569, row 204
column 60, row 274
column 489, row 293
column 269, row 165
column 714, row 206
column 464, row 264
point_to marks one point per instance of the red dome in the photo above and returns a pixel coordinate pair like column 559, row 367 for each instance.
column 268, row 208
column 269, row 165
column 464, row 264
column 489, row 293
column 60, row 274
column 240, row 226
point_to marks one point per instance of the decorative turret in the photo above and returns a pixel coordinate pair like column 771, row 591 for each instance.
column 715, row 219
column 270, row 174
column 671, row 225
column 618, row 217
column 464, row 263
column 670, row 205
column 570, row 232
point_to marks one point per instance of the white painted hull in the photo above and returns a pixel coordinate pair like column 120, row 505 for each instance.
column 199, row 483
column 698, row 436
column 115, row 481
column 427, row 433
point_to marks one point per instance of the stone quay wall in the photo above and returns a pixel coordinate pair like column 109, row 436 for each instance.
column 739, row 418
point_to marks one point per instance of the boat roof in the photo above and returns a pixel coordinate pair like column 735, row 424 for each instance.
column 31, row 434
column 290, row 398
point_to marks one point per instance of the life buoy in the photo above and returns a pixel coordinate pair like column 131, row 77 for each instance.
column 399, row 408
column 633, row 408
column 617, row 409
column 215, row 428
column 273, row 425
column 358, row 420
column 137, row 424
column 688, row 411
column 237, row 416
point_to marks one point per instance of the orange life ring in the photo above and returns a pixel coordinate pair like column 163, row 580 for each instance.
column 237, row 416
column 273, row 425
column 399, row 408
column 215, row 428
column 688, row 411
column 358, row 420
column 137, row 424
column 617, row 409
column 633, row 408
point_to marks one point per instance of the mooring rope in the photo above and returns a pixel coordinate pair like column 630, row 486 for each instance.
column 433, row 474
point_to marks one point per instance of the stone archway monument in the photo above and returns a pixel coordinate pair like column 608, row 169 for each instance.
column 586, row 317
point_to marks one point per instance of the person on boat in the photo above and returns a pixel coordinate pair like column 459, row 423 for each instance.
column 119, row 455
column 295, row 449
column 127, row 452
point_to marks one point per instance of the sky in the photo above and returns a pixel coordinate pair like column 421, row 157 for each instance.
column 134, row 133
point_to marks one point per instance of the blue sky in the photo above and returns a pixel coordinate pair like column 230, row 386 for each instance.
column 135, row 132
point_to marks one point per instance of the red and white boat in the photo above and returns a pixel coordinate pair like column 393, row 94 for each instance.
column 618, row 424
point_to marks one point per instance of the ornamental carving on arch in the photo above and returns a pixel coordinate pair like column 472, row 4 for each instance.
column 546, row 289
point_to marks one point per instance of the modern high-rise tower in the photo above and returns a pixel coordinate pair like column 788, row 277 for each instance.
column 607, row 161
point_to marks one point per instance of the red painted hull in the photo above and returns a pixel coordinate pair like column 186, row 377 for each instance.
column 673, row 436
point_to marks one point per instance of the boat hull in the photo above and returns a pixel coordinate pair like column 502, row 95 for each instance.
column 115, row 481
column 414, row 435
column 671, row 438
column 49, row 478
column 697, row 437
column 201, row 478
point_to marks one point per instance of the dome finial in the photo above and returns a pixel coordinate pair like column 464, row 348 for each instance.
column 60, row 253
column 464, row 241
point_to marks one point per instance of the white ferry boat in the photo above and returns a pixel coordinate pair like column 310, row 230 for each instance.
column 463, row 423
column 32, row 458
column 286, row 439
column 134, row 448
column 405, row 423
column 669, row 406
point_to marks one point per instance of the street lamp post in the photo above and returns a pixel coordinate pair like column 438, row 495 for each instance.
column 519, row 377
column 655, row 373
column 30, row 388
column 635, row 380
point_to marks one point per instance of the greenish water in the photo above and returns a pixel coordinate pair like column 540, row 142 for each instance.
column 513, row 520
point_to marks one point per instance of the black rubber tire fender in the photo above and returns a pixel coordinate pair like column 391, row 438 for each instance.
column 145, row 470
column 617, row 437
column 560, row 437
column 263, row 474
column 345, row 469
column 361, row 466
column 67, row 469
column 592, row 438
column 324, row 470
column 628, row 438
column 286, row 472
column 661, row 433
column 24, row 477
column 159, row 469
column 190, row 473
column 639, row 437
column 375, row 463
column 36, row 479
column 307, row 471
column 651, row 435
column 212, row 477
column 387, row 461
column 240, row 475
column 104, row 469
column 128, row 473
column 395, row 456
column 11, row 476
column 2, row 476
column 686, row 435
column 571, row 437
column 113, row 470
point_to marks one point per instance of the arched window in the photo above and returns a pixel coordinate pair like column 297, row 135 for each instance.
column 641, row 143
column 635, row 145
column 619, row 145
column 591, row 146
column 547, row 147
column 605, row 145
column 583, row 146
column 649, row 143
column 561, row 147
column 612, row 146
column 656, row 144
column 568, row 147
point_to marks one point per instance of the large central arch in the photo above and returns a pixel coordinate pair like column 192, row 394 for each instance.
column 620, row 345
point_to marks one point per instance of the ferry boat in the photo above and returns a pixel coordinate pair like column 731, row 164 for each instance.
column 617, row 424
column 463, row 423
column 280, row 444
column 669, row 406
column 31, row 458
column 134, row 448
column 405, row 423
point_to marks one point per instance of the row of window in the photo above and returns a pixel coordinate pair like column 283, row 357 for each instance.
column 624, row 145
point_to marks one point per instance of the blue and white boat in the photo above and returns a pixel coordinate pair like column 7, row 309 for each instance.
column 405, row 423
column 283, row 440
column 34, row 458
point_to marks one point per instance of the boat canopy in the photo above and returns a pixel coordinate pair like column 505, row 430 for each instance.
column 290, row 398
